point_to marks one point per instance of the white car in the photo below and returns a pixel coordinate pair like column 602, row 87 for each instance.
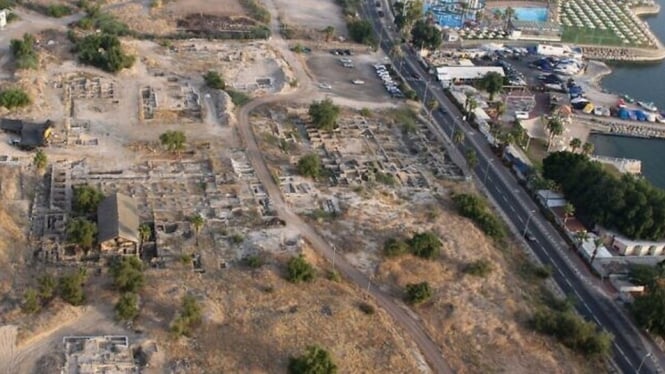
column 357, row 81
column 325, row 86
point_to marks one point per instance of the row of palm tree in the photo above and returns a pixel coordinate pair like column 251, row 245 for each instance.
column 555, row 128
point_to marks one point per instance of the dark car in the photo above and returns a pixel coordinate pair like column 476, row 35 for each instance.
column 380, row 13
column 529, row 236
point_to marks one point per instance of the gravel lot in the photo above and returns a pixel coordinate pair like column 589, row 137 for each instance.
column 329, row 70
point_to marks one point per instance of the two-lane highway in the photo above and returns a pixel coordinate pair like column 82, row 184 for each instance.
column 628, row 347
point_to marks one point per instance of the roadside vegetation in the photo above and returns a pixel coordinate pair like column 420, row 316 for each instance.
column 417, row 293
column 558, row 319
column 474, row 208
column 630, row 205
column 649, row 308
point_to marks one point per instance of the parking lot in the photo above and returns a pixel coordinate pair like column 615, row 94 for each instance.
column 337, row 73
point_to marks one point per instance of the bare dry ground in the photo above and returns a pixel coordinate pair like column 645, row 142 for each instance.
column 254, row 320
column 312, row 15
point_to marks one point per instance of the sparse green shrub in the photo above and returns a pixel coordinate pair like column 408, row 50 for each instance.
column 309, row 165
column 190, row 317
column 426, row 245
column 299, row 270
column 254, row 261
column 127, row 274
column 70, row 287
column 173, row 140
column 238, row 98
column 417, row 293
column 24, row 52
column 395, row 247
column 366, row 308
column 14, row 98
column 127, row 307
column 214, row 80
column 31, row 303
column 58, row 10
column 324, row 114
column 479, row 268
column 316, row 360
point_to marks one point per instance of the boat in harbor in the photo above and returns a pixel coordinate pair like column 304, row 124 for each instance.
column 628, row 99
column 648, row 106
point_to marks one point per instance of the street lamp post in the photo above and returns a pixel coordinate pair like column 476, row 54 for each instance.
column 642, row 362
column 487, row 168
column 528, row 219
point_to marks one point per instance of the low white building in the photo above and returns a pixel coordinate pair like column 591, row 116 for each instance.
column 633, row 247
column 452, row 74
column 551, row 199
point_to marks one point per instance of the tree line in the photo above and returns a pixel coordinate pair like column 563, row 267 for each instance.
column 627, row 204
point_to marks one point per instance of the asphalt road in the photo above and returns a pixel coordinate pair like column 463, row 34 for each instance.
column 629, row 350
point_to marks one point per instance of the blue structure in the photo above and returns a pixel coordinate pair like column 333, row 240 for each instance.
column 454, row 13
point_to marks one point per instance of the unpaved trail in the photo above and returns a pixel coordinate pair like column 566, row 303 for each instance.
column 397, row 310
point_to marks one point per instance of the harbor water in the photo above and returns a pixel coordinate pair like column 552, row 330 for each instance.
column 644, row 82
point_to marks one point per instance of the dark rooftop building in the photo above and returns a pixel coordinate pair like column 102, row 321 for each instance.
column 32, row 135
column 118, row 225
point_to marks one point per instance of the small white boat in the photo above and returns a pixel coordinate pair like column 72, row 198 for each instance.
column 648, row 106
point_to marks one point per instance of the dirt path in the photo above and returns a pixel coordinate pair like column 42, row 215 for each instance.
column 398, row 311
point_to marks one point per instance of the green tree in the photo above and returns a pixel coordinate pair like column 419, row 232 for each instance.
column 471, row 158
column 316, row 360
column 491, row 82
column 24, row 52
column 127, row 307
column 31, row 303
column 190, row 317
column 407, row 13
column 309, row 165
column 40, row 160
column 299, row 270
column 46, row 286
column 324, row 114
column 568, row 211
column 70, row 287
column 458, row 137
column 329, row 32
column 555, row 128
column 425, row 35
column 103, row 51
column 86, row 199
column 145, row 232
column 587, row 148
column 81, row 232
column 575, row 144
column 417, row 293
column 127, row 273
column 174, row 141
column 395, row 247
column 508, row 16
column 360, row 31
column 426, row 245
column 197, row 222
column 12, row 98
column 214, row 80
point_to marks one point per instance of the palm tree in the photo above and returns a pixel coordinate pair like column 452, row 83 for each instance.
column 575, row 144
column 582, row 236
column 144, row 233
column 554, row 127
column 329, row 32
column 197, row 222
column 596, row 245
column 587, row 148
column 471, row 158
column 568, row 211
column 471, row 104
column 458, row 137
column 508, row 16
